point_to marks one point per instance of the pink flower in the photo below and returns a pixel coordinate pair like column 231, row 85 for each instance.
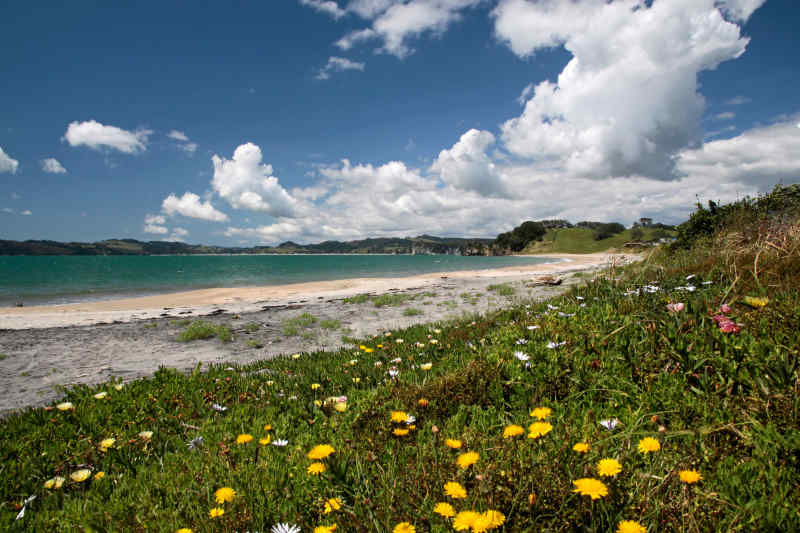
column 675, row 307
column 729, row 326
column 724, row 308
column 720, row 318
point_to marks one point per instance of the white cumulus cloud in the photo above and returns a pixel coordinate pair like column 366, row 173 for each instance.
column 96, row 135
column 628, row 100
column 52, row 166
column 8, row 163
column 155, row 224
column 466, row 166
column 184, row 143
column 246, row 183
column 328, row 7
column 338, row 64
column 190, row 205
column 178, row 234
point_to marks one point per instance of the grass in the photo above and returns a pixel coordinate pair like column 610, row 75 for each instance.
column 251, row 327
column 3, row 356
column 724, row 404
column 200, row 329
column 293, row 326
column 410, row 311
column 386, row 300
column 581, row 241
column 330, row 324
column 181, row 323
column 503, row 289
column 357, row 299
column 252, row 343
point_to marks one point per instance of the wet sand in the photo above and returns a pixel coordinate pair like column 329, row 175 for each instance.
column 44, row 347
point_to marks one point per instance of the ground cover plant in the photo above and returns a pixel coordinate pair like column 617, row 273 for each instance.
column 662, row 397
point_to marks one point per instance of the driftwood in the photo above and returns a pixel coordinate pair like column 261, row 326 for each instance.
column 545, row 280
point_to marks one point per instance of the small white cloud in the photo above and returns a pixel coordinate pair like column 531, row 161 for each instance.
column 727, row 115
column 7, row 163
column 15, row 196
column 96, row 136
column 338, row 64
column 178, row 234
column 739, row 100
column 189, row 205
column 525, row 94
column 328, row 7
column 52, row 166
column 7, row 210
column 177, row 135
column 188, row 147
column 355, row 37
column 27, row 212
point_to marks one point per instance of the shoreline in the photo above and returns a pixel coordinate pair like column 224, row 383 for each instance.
column 239, row 300
column 64, row 346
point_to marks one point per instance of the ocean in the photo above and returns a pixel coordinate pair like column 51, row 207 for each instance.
column 39, row 280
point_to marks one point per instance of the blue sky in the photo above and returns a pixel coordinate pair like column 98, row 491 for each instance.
column 305, row 120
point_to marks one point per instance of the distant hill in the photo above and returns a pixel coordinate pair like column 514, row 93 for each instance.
column 581, row 240
column 424, row 244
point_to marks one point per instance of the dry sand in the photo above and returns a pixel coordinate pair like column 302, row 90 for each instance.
column 44, row 347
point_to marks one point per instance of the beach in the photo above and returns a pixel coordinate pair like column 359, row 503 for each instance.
column 45, row 347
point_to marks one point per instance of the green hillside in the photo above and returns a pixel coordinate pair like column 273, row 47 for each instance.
column 581, row 241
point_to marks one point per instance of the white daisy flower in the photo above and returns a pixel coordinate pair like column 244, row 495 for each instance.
column 285, row 528
column 279, row 442
column 552, row 345
column 521, row 356
column 218, row 408
column 531, row 328
column 609, row 424
column 522, row 341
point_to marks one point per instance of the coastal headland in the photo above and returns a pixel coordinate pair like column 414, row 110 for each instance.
column 87, row 343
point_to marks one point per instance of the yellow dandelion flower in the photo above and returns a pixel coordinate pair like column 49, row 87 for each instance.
column 65, row 406
column 455, row 490
column 631, row 526
column 754, row 301
column 426, row 366
column 224, row 494
column 541, row 413
column 54, row 483
column 315, row 386
column 512, row 431
column 649, row 444
column 105, row 444
column 79, row 476
column 400, row 432
column 444, row 509
column 183, row 530
column 690, row 476
column 369, row 350
column 99, row 475
column 399, row 416
column 481, row 524
column 215, row 512
column 320, row 451
column 295, row 356
column 325, row 529
column 100, row 395
column 539, row 429
column 594, row 488
column 267, row 427
column 581, row 447
column 496, row 518
column 265, row 440
column 466, row 459
column 464, row 520
column 244, row 438
column 404, row 527
column 609, row 467
column 422, row 402
column 332, row 504
column 452, row 443
column 340, row 407
column 316, row 469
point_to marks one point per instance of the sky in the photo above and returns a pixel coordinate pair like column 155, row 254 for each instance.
column 258, row 122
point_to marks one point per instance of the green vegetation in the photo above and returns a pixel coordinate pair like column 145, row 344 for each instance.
column 582, row 240
column 251, row 327
column 252, row 343
column 503, row 289
column 293, row 326
column 330, row 324
column 200, row 329
column 357, row 299
column 3, row 356
column 410, row 311
column 708, row 386
column 392, row 299
column 181, row 323
column 519, row 237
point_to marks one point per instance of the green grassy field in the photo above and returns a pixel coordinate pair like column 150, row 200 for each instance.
column 607, row 409
column 581, row 241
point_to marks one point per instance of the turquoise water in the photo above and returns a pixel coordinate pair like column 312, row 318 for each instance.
column 37, row 280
